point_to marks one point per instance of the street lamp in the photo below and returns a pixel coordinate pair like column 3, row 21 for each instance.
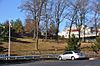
column 9, row 39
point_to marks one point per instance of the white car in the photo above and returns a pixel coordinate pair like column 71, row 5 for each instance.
column 71, row 55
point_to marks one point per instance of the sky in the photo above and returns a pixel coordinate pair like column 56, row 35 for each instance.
column 9, row 11
column 98, row 0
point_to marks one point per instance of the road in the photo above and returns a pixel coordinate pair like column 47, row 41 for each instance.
column 58, row 63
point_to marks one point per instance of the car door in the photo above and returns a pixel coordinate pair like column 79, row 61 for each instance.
column 65, row 56
column 69, row 55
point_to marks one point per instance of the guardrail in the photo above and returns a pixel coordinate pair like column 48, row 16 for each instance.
column 49, row 56
column 20, row 57
column 33, row 57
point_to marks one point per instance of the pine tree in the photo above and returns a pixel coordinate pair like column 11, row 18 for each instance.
column 72, row 43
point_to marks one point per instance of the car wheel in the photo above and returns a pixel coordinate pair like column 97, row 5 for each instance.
column 72, row 58
column 60, row 58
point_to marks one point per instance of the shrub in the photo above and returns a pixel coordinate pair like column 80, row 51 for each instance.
column 96, row 47
column 72, row 44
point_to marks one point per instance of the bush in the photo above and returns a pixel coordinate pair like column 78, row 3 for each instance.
column 72, row 44
column 96, row 47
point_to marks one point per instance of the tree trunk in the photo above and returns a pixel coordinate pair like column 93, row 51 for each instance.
column 70, row 29
column 46, row 19
column 95, row 24
column 46, row 27
column 57, row 29
column 34, row 36
column 84, row 34
column 38, row 21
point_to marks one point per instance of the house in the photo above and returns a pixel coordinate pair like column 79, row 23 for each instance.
column 86, row 32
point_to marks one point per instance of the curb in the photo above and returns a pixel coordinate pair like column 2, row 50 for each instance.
column 93, row 58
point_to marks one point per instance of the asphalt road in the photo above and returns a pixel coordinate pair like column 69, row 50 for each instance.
column 58, row 63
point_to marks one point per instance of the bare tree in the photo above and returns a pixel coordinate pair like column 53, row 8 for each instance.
column 46, row 18
column 58, row 13
column 79, row 10
column 83, row 6
column 96, row 9
column 33, row 8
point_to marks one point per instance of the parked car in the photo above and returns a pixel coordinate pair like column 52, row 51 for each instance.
column 71, row 55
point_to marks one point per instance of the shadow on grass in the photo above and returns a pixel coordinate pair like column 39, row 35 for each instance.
column 3, row 49
column 13, row 39
column 20, row 41
column 1, row 43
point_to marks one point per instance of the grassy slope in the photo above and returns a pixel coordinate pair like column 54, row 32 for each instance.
column 26, row 46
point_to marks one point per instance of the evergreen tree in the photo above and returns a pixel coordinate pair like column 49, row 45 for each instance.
column 2, row 37
column 18, row 26
column 96, row 47
column 72, row 44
